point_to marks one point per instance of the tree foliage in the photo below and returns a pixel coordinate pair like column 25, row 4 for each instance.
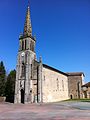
column 10, row 86
column 2, row 79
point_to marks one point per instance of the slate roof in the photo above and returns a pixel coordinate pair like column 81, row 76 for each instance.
column 75, row 73
column 86, row 85
column 51, row 68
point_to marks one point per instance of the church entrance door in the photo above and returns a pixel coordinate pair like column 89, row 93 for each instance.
column 22, row 96
column 71, row 97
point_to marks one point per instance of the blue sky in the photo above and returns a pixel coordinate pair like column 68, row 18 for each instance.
column 62, row 29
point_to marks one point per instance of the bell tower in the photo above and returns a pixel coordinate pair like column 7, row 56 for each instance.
column 25, row 60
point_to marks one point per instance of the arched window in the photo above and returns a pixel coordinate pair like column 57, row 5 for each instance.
column 31, row 45
column 62, row 85
column 31, row 71
column 25, row 44
column 44, row 78
column 22, row 45
column 26, row 57
column 57, row 84
column 23, row 70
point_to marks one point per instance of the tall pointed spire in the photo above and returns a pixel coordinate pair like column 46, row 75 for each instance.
column 27, row 26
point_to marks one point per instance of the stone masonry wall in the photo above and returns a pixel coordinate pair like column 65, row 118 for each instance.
column 75, row 83
column 55, row 86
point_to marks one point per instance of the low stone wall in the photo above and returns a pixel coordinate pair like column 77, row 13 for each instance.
column 2, row 99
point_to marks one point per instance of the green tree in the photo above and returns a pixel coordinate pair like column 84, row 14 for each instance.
column 2, row 79
column 10, row 86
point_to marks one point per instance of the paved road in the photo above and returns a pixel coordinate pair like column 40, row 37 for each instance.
column 50, row 111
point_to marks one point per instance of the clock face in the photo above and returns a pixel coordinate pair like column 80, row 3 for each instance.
column 23, row 54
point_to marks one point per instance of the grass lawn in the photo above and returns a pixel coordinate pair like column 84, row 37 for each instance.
column 79, row 100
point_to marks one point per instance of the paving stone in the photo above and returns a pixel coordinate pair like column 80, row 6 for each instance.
column 50, row 111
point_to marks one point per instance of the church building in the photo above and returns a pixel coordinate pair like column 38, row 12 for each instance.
column 38, row 82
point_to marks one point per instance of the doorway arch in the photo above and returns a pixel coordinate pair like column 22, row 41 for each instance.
column 71, row 97
column 22, row 96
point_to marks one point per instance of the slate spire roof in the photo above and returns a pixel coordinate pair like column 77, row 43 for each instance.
column 27, row 26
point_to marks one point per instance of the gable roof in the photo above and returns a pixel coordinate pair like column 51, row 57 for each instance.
column 75, row 73
column 54, row 69
column 86, row 85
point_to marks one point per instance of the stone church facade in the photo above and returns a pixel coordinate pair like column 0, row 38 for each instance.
column 35, row 81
